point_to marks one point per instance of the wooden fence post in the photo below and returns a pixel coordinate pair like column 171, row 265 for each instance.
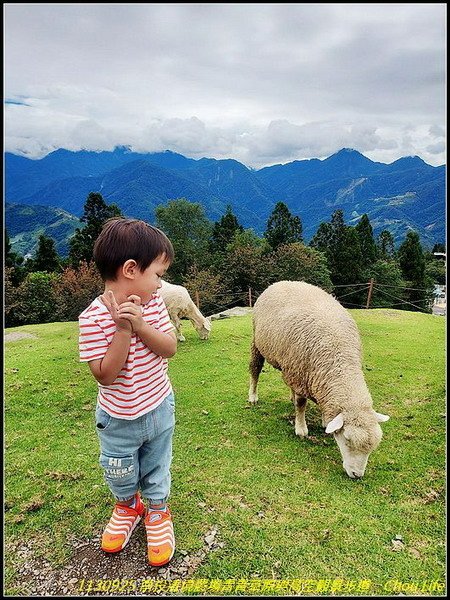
column 369, row 293
column 250, row 297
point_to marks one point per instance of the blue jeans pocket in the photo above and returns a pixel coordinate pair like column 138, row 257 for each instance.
column 102, row 419
column 171, row 402
column 164, row 414
column 119, row 470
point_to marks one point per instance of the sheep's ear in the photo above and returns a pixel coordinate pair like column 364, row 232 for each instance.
column 335, row 424
column 381, row 418
column 207, row 324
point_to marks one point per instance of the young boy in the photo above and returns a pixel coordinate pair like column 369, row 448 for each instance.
column 126, row 337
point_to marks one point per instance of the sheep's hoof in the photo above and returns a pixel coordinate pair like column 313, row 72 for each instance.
column 252, row 399
column 301, row 431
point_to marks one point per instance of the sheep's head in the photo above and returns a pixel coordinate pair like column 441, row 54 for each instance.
column 356, row 437
column 205, row 329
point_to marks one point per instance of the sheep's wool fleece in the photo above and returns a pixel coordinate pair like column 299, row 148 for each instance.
column 176, row 298
column 305, row 332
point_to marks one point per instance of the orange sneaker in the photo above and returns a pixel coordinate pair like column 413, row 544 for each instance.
column 121, row 525
column 160, row 537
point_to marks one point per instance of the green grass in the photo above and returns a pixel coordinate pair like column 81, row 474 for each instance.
column 284, row 507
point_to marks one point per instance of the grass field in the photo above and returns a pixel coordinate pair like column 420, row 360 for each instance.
column 284, row 507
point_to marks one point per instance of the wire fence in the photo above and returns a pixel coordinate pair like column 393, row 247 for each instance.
column 215, row 303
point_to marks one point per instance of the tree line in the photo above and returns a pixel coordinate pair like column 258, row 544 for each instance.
column 222, row 260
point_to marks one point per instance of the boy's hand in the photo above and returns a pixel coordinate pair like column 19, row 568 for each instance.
column 110, row 302
column 132, row 311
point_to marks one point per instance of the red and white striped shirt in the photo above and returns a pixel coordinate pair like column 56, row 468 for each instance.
column 143, row 382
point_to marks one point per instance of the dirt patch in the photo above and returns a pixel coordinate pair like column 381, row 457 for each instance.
column 16, row 335
column 91, row 572
column 237, row 311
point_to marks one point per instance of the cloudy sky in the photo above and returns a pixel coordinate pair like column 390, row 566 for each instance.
column 261, row 83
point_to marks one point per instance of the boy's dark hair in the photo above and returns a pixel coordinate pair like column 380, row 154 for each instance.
column 124, row 239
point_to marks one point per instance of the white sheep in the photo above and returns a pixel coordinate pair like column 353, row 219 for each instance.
column 304, row 332
column 180, row 306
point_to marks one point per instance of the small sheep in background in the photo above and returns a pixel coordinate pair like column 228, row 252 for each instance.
column 180, row 306
column 312, row 339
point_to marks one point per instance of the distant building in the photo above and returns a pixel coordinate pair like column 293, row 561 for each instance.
column 439, row 294
column 439, row 300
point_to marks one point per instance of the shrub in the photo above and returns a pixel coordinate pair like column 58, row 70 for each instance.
column 35, row 300
column 75, row 289
column 11, row 298
column 388, row 276
column 297, row 262
column 213, row 295
column 246, row 266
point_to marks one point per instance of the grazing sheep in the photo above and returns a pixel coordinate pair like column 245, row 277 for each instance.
column 306, row 334
column 180, row 306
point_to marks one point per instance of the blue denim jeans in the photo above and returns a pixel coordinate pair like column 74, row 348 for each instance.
column 136, row 454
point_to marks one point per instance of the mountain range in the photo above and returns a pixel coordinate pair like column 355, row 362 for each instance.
column 400, row 196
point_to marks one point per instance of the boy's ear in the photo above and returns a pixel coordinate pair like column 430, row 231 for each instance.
column 129, row 268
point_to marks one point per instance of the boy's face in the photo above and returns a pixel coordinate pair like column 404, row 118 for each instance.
column 147, row 282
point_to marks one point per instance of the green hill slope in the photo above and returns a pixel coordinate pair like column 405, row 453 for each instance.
column 26, row 223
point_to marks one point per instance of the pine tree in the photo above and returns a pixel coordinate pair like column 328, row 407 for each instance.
column 12, row 259
column 385, row 244
column 341, row 246
column 189, row 230
column 411, row 259
column 439, row 247
column 337, row 226
column 282, row 227
column 96, row 212
column 347, row 263
column 14, row 262
column 224, row 230
column 46, row 257
column 322, row 238
column 7, row 249
column 369, row 251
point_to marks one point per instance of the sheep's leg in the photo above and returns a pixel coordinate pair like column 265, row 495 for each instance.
column 301, row 428
column 177, row 322
column 256, row 364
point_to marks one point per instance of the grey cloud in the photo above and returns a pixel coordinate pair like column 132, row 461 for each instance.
column 437, row 148
column 436, row 131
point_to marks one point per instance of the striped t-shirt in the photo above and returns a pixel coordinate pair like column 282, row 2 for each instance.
column 143, row 382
